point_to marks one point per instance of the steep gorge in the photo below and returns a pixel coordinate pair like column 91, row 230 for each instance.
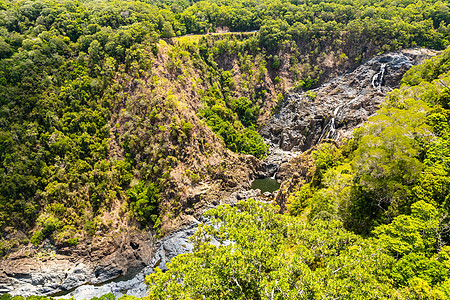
column 122, row 122
column 301, row 121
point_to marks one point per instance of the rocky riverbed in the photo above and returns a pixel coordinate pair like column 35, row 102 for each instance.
column 29, row 272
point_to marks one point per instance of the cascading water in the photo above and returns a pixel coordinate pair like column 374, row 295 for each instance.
column 333, row 134
column 377, row 79
column 330, row 131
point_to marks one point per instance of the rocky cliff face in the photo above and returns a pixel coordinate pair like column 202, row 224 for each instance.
column 198, row 169
column 87, row 275
column 336, row 108
column 84, row 272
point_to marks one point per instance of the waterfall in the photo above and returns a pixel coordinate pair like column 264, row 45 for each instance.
column 332, row 128
column 336, row 111
column 333, row 133
column 330, row 131
column 274, row 174
column 377, row 79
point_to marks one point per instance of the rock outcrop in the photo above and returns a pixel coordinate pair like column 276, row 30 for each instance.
column 336, row 108
column 331, row 111
column 53, row 270
column 47, row 272
column 165, row 249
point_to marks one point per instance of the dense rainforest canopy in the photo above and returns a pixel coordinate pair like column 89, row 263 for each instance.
column 92, row 117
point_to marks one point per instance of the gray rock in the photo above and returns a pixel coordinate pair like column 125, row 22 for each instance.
column 241, row 195
column 76, row 276
column 53, row 273
column 166, row 249
column 333, row 110
column 244, row 195
column 106, row 272
column 37, row 279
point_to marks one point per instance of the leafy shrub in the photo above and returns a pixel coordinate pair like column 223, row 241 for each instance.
column 144, row 201
column 90, row 227
column 300, row 200
column 73, row 241
column 37, row 237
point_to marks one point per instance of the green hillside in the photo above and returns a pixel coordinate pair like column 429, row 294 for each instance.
column 111, row 112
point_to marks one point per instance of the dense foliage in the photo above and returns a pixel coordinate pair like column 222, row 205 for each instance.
column 266, row 255
column 399, row 157
column 94, row 117
column 84, row 126
column 59, row 61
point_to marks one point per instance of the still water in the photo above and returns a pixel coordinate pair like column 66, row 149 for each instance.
column 266, row 185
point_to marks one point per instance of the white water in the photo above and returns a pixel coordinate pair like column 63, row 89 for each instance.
column 330, row 131
column 137, row 287
column 377, row 79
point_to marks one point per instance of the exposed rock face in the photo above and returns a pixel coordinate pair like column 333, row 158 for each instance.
column 29, row 272
column 276, row 157
column 113, row 256
column 165, row 249
column 293, row 174
column 336, row 108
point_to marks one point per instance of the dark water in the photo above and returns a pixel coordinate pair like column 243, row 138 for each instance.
column 131, row 273
column 265, row 185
